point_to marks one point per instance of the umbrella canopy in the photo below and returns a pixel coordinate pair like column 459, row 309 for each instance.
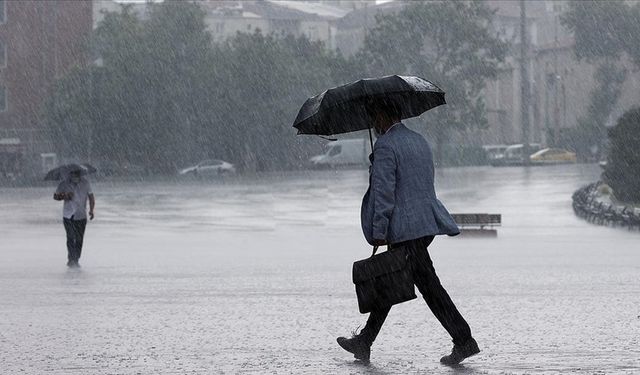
column 63, row 171
column 343, row 109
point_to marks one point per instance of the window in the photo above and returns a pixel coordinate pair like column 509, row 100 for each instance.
column 3, row 11
column 3, row 99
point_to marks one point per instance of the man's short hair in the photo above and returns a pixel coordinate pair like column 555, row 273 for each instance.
column 383, row 105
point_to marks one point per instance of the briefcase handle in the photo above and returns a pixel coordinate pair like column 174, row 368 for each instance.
column 375, row 248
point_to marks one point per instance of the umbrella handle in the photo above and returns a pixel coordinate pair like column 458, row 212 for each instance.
column 371, row 139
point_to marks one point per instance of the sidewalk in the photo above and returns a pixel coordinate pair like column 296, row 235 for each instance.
column 213, row 281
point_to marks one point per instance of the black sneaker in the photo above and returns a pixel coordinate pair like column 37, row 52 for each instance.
column 73, row 264
column 354, row 345
column 460, row 352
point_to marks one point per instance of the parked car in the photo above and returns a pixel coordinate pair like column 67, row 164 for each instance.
column 513, row 155
column 553, row 156
column 208, row 168
column 113, row 169
column 344, row 152
column 494, row 152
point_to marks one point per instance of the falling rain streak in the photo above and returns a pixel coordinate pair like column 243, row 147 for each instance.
column 223, row 241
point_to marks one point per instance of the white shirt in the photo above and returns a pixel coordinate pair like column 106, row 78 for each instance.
column 391, row 127
column 75, row 207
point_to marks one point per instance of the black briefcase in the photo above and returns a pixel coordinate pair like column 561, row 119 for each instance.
column 383, row 280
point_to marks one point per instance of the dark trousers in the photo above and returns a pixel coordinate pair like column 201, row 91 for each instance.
column 425, row 278
column 75, row 235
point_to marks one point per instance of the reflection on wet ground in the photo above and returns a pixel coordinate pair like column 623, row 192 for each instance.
column 253, row 275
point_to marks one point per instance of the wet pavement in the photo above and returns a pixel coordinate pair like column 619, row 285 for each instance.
column 253, row 276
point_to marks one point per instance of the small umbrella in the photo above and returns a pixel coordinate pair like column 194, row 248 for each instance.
column 61, row 172
column 343, row 109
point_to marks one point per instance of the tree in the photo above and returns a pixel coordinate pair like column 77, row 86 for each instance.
column 149, row 101
column 592, row 126
column 604, row 31
column 168, row 96
column 267, row 80
column 73, row 124
column 598, row 28
column 449, row 43
column 622, row 172
column 178, row 81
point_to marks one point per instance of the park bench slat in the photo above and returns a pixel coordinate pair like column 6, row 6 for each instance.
column 477, row 219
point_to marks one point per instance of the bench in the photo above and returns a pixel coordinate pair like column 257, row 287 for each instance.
column 483, row 223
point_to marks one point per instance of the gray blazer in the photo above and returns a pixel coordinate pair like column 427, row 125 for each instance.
column 401, row 203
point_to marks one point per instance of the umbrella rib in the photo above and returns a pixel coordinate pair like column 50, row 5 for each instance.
column 338, row 104
column 344, row 109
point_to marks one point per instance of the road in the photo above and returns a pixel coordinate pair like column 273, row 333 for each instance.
column 252, row 275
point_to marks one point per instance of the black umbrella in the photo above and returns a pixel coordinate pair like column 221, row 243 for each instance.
column 343, row 109
column 63, row 171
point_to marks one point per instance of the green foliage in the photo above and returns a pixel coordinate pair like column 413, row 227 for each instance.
column 136, row 108
column 622, row 172
column 167, row 96
column 604, row 29
column 449, row 43
column 591, row 130
column 598, row 27
column 268, row 79
column 73, row 95
column 604, row 32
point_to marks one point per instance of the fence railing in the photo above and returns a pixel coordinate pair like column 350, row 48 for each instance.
column 587, row 206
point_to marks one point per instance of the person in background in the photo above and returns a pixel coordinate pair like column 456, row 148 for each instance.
column 75, row 190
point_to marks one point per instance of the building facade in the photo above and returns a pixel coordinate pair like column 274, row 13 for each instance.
column 314, row 20
column 560, row 84
column 225, row 18
column 39, row 42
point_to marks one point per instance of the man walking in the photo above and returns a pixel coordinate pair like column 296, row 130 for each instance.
column 74, row 191
column 401, row 209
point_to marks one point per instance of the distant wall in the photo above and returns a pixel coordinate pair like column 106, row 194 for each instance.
column 43, row 40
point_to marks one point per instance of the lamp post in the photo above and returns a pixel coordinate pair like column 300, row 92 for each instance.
column 97, row 63
column 524, row 79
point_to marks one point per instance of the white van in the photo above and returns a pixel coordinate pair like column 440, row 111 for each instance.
column 495, row 153
column 344, row 152
column 513, row 154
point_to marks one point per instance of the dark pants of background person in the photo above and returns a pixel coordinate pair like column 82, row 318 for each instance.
column 425, row 278
column 75, row 235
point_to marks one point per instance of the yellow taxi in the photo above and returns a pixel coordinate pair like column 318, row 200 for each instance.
column 553, row 156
